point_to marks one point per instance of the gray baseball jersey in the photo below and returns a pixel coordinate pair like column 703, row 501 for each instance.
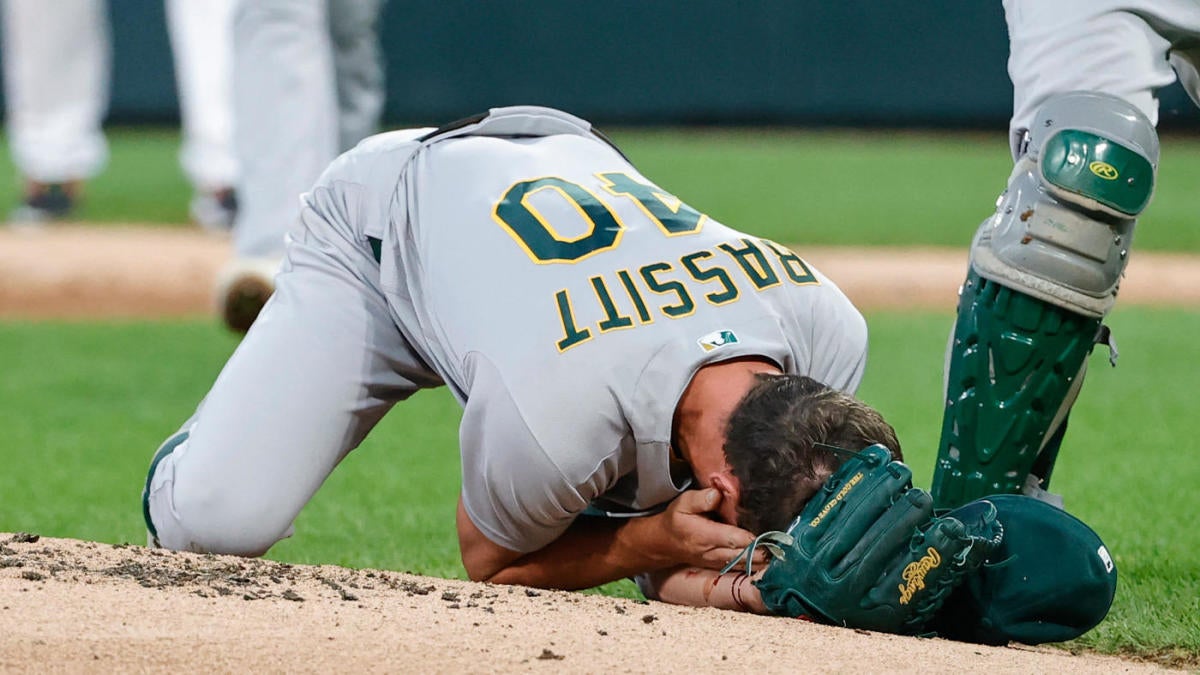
column 563, row 297
column 567, row 300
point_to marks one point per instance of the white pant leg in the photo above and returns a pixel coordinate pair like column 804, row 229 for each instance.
column 285, row 115
column 1118, row 47
column 321, row 365
column 1185, row 64
column 358, row 68
column 202, row 44
column 56, row 70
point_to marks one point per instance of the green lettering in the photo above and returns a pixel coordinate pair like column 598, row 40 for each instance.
column 753, row 263
column 571, row 334
column 635, row 296
column 615, row 319
column 686, row 304
column 715, row 273
column 672, row 215
column 793, row 266
column 539, row 239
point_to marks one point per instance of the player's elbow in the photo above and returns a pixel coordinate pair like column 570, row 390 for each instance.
column 476, row 572
column 482, row 558
column 482, row 567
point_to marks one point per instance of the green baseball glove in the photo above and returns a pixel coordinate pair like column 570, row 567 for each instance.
column 866, row 551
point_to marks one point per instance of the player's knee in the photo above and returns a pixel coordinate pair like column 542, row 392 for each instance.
column 1063, row 228
column 205, row 514
column 214, row 519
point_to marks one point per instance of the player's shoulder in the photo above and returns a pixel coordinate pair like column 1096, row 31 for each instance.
column 391, row 140
column 392, row 146
column 374, row 157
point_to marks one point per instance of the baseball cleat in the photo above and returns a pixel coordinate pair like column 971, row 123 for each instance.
column 45, row 202
column 243, row 287
column 214, row 211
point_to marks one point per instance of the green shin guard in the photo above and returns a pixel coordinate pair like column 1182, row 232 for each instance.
column 1013, row 361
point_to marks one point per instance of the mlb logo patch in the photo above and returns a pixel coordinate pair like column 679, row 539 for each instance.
column 716, row 340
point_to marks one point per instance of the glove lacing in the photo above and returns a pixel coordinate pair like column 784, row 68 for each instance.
column 773, row 541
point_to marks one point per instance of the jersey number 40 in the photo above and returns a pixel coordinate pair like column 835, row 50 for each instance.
column 544, row 244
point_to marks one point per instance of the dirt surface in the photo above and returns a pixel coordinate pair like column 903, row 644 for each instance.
column 67, row 605
column 76, row 606
column 77, row 271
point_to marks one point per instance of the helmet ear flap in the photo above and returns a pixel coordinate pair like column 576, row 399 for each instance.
column 1049, row 579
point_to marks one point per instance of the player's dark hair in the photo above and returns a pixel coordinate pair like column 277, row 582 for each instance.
column 773, row 444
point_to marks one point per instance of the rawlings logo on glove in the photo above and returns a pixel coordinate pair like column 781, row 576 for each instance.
column 914, row 574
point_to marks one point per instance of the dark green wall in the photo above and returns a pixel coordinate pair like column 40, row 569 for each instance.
column 826, row 62
column 865, row 61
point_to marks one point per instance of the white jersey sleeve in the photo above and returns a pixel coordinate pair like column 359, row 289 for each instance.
column 512, row 489
column 838, row 342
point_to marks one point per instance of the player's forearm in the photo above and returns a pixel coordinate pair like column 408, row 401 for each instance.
column 698, row 587
column 593, row 551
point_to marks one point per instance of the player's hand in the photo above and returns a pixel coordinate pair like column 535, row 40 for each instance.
column 688, row 533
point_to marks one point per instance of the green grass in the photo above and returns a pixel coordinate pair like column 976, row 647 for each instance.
column 142, row 182
column 83, row 406
column 828, row 187
column 875, row 188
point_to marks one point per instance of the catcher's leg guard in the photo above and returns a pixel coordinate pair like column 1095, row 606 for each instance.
column 1043, row 274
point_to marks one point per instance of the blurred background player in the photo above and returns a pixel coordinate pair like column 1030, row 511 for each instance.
column 308, row 84
column 57, row 61
column 1045, row 268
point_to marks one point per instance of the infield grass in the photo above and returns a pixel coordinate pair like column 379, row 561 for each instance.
column 83, row 405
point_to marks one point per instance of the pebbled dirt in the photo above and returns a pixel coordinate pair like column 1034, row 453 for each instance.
column 74, row 606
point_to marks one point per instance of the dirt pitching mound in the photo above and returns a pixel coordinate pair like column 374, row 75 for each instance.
column 68, row 605
column 107, row 271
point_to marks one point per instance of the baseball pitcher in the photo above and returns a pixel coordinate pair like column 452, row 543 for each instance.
column 645, row 390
